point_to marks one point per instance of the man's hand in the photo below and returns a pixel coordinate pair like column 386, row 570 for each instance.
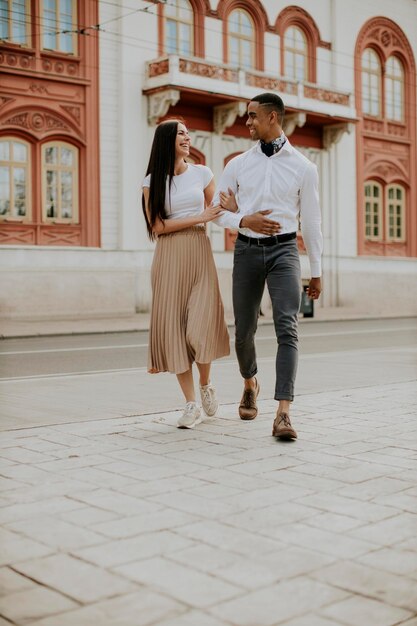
column 228, row 201
column 314, row 288
column 260, row 224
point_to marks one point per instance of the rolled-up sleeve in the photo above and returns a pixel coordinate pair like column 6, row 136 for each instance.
column 228, row 179
column 310, row 215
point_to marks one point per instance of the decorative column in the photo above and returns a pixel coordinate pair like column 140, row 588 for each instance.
column 332, row 135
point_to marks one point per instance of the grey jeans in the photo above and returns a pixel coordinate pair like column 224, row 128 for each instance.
column 279, row 266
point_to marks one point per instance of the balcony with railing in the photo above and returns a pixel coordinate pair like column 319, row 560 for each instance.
column 171, row 76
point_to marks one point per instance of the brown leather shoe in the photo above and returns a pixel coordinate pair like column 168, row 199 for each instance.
column 282, row 427
column 247, row 408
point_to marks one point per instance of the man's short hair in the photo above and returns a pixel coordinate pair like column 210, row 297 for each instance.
column 273, row 102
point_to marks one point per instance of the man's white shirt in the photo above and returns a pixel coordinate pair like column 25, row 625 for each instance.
column 287, row 184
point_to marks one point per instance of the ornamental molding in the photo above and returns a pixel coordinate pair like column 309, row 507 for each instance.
column 37, row 122
column 388, row 36
column 333, row 133
column 373, row 126
column 224, row 115
column 386, row 170
column 60, row 67
column 38, row 88
column 273, row 84
column 158, row 68
column 292, row 120
column 397, row 130
column 324, row 95
column 74, row 112
column 208, row 71
column 17, row 60
column 5, row 100
column 159, row 103
column 405, row 164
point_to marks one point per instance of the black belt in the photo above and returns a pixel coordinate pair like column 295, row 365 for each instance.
column 267, row 241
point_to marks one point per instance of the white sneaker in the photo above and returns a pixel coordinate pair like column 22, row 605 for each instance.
column 209, row 399
column 190, row 417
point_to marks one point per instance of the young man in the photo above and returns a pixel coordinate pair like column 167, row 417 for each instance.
column 275, row 186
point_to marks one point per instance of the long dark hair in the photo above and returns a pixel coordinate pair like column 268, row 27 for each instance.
column 160, row 167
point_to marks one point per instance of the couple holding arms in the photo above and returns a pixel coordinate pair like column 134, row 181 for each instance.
column 269, row 189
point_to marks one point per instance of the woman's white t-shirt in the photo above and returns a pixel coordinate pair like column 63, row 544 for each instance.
column 187, row 191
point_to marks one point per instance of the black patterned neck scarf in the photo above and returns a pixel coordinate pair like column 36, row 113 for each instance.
column 274, row 146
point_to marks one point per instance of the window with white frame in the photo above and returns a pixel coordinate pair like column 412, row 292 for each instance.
column 395, row 213
column 394, row 89
column 371, row 83
column 373, row 211
column 59, row 21
column 295, row 54
column 179, row 24
column 14, row 179
column 59, row 182
column 241, row 37
column 15, row 21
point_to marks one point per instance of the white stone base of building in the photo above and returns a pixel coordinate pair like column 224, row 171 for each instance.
column 57, row 283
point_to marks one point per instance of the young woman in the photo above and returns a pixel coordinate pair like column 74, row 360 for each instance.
column 187, row 318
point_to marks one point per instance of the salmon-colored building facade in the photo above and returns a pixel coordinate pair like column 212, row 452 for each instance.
column 49, row 125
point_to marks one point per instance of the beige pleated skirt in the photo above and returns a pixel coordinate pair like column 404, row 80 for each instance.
column 187, row 318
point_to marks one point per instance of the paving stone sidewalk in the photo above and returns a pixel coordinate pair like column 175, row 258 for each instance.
column 132, row 522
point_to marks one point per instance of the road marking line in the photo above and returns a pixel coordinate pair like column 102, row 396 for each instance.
column 269, row 338
column 225, row 363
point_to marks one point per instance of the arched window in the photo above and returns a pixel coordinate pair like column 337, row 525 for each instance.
column 179, row 24
column 394, row 89
column 295, row 54
column 14, row 179
column 371, row 83
column 241, row 37
column 60, row 182
column 59, row 21
column 373, row 211
column 300, row 38
column 15, row 21
column 395, row 213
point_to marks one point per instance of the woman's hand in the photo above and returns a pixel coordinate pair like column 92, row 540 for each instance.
column 228, row 201
column 210, row 213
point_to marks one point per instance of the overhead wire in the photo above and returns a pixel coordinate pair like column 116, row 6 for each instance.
column 145, row 44
column 147, row 10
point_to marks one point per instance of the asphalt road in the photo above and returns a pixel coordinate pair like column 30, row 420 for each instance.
column 56, row 380
column 78, row 354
